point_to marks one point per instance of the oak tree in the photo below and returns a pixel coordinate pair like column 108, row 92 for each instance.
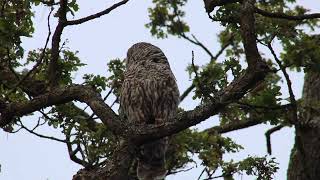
column 239, row 84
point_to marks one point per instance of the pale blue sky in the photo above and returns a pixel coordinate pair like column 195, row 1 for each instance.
column 26, row 157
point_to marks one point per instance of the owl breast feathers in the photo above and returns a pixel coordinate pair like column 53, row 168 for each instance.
column 149, row 95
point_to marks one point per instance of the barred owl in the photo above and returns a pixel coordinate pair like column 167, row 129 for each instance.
column 149, row 95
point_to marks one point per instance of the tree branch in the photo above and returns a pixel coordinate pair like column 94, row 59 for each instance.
column 285, row 16
column 72, row 153
column 40, row 135
column 60, row 96
column 268, row 136
column 9, row 79
column 248, row 34
column 289, row 84
column 53, row 71
column 116, row 168
column 198, row 43
column 187, row 92
column 97, row 15
column 233, row 126
column 39, row 61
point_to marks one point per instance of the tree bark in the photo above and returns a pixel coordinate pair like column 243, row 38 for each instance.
column 305, row 155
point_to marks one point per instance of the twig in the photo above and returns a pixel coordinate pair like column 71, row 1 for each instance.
column 40, row 135
column 201, row 173
column 198, row 43
column 289, row 84
column 114, row 102
column 178, row 171
column 42, row 54
column 186, row 92
column 268, row 136
column 229, row 42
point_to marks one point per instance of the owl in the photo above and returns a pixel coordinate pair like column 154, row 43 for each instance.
column 149, row 95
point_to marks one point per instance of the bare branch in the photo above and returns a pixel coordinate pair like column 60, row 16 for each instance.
column 40, row 135
column 289, row 84
column 285, row 106
column 268, row 136
column 201, row 173
column 198, row 43
column 178, row 171
column 97, row 15
column 186, row 92
column 233, row 126
column 223, row 47
column 285, row 16
column 39, row 61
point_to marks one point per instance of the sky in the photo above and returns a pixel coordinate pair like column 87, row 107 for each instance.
column 26, row 157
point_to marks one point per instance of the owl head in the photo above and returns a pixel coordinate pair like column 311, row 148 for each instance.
column 142, row 53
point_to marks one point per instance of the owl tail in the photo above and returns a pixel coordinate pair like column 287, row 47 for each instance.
column 151, row 163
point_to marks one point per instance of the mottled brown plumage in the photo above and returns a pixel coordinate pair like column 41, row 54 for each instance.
column 149, row 95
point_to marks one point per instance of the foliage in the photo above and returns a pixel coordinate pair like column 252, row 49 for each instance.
column 166, row 17
column 92, row 143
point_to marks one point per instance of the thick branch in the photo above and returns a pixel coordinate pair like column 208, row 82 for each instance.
column 53, row 71
column 285, row 16
column 248, row 33
column 97, row 15
column 60, row 96
column 116, row 169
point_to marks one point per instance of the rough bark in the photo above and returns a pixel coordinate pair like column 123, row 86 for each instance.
column 305, row 156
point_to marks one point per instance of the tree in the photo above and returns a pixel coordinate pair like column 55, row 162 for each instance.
column 242, row 94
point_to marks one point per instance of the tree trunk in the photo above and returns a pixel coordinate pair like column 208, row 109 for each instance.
column 305, row 155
